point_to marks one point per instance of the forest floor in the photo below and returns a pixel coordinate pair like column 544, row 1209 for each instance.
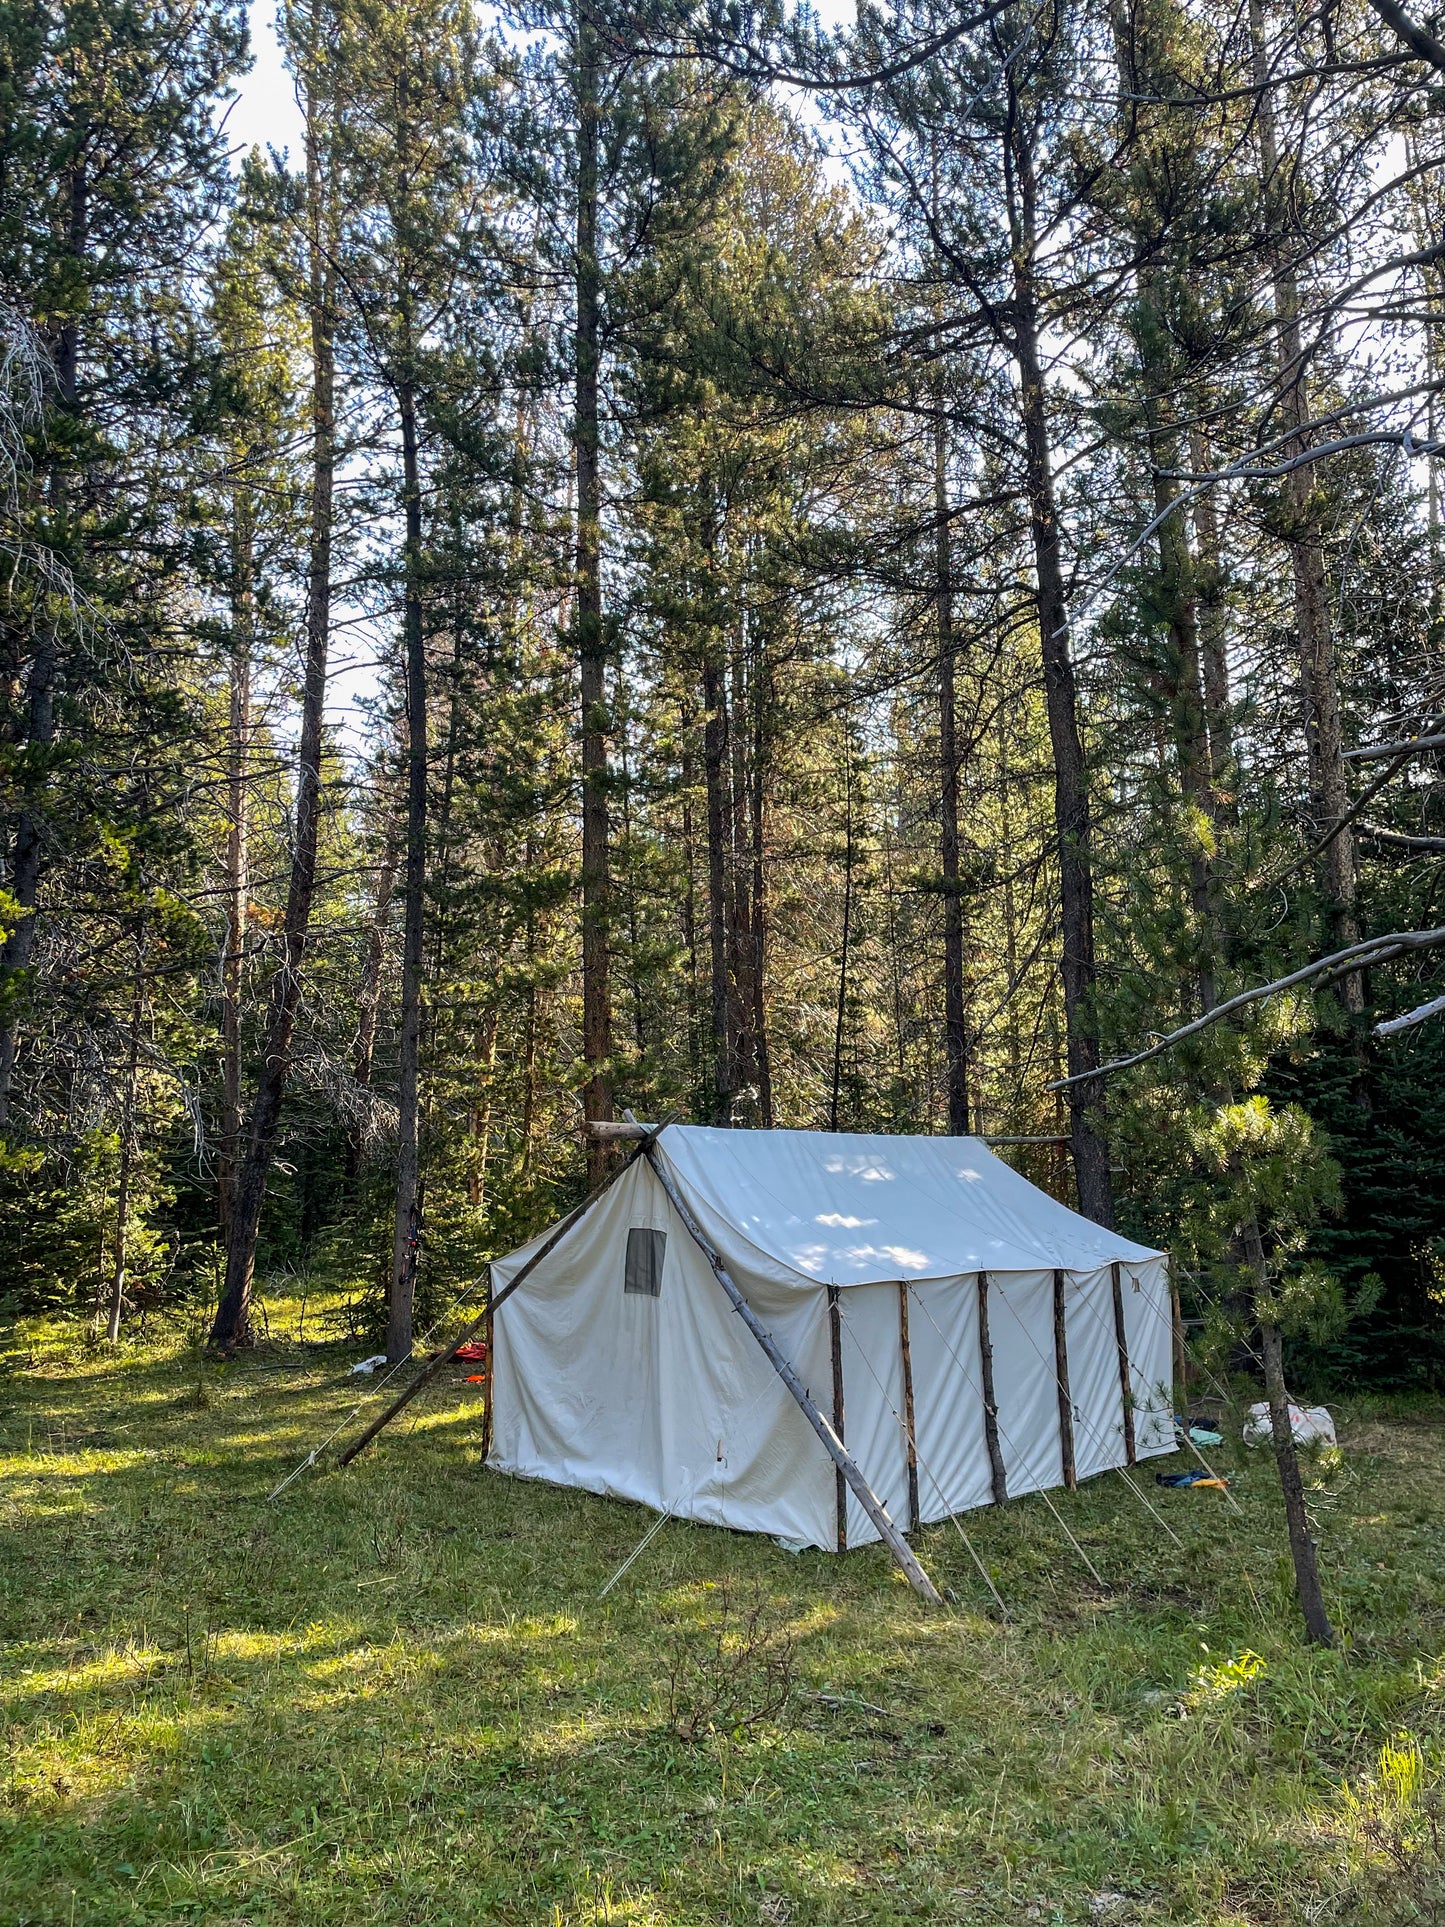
column 396, row 1694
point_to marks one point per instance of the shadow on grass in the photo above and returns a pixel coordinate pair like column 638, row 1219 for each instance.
column 396, row 1695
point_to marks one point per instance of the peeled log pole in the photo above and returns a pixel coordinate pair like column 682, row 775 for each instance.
column 909, row 1433
column 1126, row 1379
column 990, row 1404
column 1067, row 1459
column 835, row 1347
column 832, row 1444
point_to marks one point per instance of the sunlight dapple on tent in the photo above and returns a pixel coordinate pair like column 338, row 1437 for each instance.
column 886, row 1304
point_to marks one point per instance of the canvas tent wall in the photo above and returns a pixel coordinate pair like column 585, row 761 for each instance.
column 621, row 1367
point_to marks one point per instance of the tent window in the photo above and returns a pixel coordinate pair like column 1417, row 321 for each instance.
column 645, row 1253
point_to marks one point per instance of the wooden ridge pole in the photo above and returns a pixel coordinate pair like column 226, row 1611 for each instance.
column 832, row 1444
column 484, row 1319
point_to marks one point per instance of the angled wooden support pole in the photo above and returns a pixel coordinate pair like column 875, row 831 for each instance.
column 484, row 1320
column 832, row 1444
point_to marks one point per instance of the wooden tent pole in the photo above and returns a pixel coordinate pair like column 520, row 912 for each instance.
column 484, row 1319
column 990, row 1404
column 832, row 1444
column 1066, row 1403
column 835, row 1346
column 914, row 1518
column 1126, row 1376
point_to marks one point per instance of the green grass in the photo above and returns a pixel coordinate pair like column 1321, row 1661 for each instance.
column 395, row 1695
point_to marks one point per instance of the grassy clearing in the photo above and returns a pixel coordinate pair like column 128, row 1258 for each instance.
column 395, row 1695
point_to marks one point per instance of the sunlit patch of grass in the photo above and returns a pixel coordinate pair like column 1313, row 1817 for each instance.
column 396, row 1694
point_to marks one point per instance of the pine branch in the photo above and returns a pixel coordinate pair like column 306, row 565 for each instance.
column 1359, row 956
column 1420, row 43
column 1435, row 1008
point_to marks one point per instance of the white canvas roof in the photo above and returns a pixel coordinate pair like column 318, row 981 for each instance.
column 839, row 1209
column 658, row 1392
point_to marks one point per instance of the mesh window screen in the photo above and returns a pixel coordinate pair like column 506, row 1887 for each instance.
column 645, row 1252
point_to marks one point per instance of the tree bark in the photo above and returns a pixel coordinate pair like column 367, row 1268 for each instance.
column 1301, row 1544
column 760, row 904
column 1071, row 797
column 368, row 991
column 238, row 777
column 25, row 865
column 406, row 1231
column 232, row 1324
column 27, row 859
column 127, row 1158
column 715, row 768
column 742, row 1002
column 591, row 644
column 955, row 1011
column 1213, row 649
column 840, row 1022
column 1319, row 684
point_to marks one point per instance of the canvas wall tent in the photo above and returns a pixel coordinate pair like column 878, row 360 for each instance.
column 877, row 1264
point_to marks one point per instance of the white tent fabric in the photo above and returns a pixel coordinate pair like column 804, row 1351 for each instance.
column 669, row 1400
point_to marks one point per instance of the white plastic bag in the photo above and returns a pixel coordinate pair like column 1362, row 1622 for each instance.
column 1309, row 1425
column 368, row 1366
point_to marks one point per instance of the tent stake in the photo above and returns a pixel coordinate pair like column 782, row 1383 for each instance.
column 484, row 1321
column 832, row 1444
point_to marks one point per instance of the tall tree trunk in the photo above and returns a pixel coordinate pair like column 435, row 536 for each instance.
column 761, row 689
column 1301, row 1542
column 127, row 1154
column 237, row 882
column 1010, row 915
column 1319, row 684
column 1213, row 648
column 715, row 771
column 622, row 725
column 28, row 852
column 840, row 1022
column 1071, row 797
column 232, row 1324
column 955, row 1011
column 591, row 642
column 406, row 1234
column 368, row 991
column 742, row 1002
column 1139, row 81
column 695, row 1054
column 25, row 864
